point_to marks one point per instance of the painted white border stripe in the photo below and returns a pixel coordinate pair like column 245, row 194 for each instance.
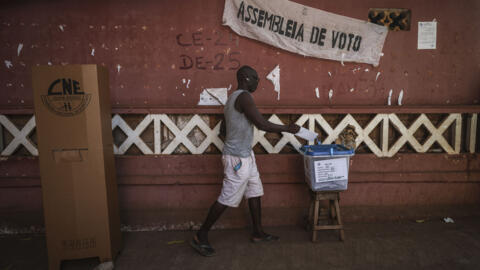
column 381, row 121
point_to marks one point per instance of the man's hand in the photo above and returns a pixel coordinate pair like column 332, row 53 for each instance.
column 293, row 128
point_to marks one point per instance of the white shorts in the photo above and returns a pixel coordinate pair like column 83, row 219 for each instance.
column 242, row 182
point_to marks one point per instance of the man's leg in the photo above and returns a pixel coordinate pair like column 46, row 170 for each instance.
column 214, row 213
column 256, row 212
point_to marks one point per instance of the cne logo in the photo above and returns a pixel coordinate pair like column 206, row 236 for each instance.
column 65, row 97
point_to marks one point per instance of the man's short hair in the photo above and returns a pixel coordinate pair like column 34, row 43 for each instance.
column 244, row 72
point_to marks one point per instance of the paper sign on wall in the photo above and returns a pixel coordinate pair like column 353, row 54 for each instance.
column 427, row 35
column 331, row 170
column 213, row 97
column 305, row 30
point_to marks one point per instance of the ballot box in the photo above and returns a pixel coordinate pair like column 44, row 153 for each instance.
column 326, row 166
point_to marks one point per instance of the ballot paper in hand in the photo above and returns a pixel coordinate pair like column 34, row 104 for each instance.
column 306, row 134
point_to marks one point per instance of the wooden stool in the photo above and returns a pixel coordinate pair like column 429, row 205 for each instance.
column 331, row 215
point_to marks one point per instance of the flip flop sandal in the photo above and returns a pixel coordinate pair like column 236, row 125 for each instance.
column 203, row 249
column 266, row 238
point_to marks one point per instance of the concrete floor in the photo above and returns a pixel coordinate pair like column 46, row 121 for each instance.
column 400, row 245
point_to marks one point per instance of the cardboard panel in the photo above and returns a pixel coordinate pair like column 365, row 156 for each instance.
column 76, row 162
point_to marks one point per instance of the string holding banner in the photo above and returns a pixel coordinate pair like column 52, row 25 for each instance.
column 306, row 31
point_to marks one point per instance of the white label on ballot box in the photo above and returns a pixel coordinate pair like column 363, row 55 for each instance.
column 330, row 170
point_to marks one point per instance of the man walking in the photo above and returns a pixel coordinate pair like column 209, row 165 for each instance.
column 241, row 177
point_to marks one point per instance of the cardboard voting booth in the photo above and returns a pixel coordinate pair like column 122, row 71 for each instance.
column 74, row 131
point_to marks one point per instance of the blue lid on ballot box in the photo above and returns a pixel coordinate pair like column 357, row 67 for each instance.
column 326, row 150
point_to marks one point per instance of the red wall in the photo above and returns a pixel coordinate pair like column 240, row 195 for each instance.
column 174, row 190
column 141, row 37
column 146, row 39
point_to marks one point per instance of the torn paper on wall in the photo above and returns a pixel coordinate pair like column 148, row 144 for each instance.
column 390, row 97
column 400, row 98
column 187, row 82
column 8, row 64
column 213, row 97
column 274, row 77
column 19, row 48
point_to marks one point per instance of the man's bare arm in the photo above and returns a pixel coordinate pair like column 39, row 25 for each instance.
column 246, row 105
column 223, row 127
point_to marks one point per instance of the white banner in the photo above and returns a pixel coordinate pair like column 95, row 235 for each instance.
column 305, row 30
